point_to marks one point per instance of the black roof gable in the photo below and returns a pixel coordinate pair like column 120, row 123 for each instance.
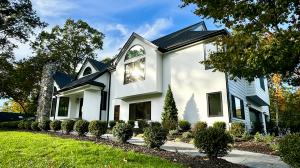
column 62, row 79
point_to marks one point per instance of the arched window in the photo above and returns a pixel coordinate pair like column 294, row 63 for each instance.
column 135, row 51
column 87, row 71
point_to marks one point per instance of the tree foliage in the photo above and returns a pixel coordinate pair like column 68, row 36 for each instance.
column 264, row 40
column 11, row 106
column 170, row 113
column 69, row 45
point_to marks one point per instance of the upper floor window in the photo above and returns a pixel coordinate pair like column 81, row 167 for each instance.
column 134, row 71
column 135, row 51
column 87, row 71
column 262, row 83
column 238, row 107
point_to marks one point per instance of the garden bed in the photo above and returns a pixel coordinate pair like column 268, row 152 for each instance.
column 253, row 146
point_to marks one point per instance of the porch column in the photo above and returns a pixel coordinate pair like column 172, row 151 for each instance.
column 91, row 105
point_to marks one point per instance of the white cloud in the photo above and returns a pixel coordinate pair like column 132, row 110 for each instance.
column 152, row 31
column 53, row 8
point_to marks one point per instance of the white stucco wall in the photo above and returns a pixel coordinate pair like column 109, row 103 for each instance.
column 87, row 64
column 91, row 105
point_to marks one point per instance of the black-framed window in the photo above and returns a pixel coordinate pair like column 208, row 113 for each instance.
column 237, row 107
column 134, row 71
column 87, row 71
column 214, row 101
column 140, row 110
column 53, row 107
column 63, row 106
column 103, row 100
column 262, row 83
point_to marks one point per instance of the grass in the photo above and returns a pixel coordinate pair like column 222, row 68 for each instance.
column 30, row 150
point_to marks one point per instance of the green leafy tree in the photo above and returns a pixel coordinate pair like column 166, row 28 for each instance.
column 69, row 45
column 265, row 37
column 170, row 113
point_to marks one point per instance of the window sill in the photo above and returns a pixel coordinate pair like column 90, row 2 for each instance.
column 215, row 116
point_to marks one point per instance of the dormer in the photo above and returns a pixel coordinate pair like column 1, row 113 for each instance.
column 90, row 66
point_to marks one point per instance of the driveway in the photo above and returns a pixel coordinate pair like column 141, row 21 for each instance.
column 250, row 159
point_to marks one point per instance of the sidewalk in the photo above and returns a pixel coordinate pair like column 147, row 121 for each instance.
column 250, row 159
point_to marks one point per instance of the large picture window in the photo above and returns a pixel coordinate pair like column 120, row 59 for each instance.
column 140, row 111
column 63, row 106
column 134, row 71
column 214, row 104
column 237, row 108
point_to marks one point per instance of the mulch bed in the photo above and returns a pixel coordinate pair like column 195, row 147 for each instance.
column 252, row 146
column 189, row 161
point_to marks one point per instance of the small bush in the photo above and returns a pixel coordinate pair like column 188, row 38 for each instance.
column 121, row 121
column 44, row 125
column 155, row 136
column 21, row 124
column 220, row 124
column 131, row 123
column 184, row 125
column 187, row 135
column 98, row 128
column 35, row 126
column 289, row 147
column 213, row 141
column 155, row 124
column 27, row 125
column 122, row 132
column 142, row 124
column 111, row 124
column 9, row 125
column 55, row 125
column 67, row 126
column 81, row 127
column 257, row 127
column 246, row 136
column 173, row 132
column 258, row 137
column 200, row 125
column 237, row 129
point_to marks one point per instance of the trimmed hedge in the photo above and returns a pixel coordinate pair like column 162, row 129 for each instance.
column 142, row 124
column 220, row 124
column 35, row 126
column 213, row 141
column 21, row 124
column 155, row 124
column 81, row 127
column 184, row 125
column 155, row 136
column 237, row 129
column 9, row 125
column 44, row 125
column 289, row 147
column 67, row 126
column 55, row 125
column 27, row 125
column 131, row 123
column 122, row 132
column 111, row 124
column 98, row 128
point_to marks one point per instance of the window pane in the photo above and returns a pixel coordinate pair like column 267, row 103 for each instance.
column 103, row 100
column 134, row 71
column 140, row 111
column 87, row 71
column 237, row 108
column 215, row 104
column 262, row 82
column 63, row 106
column 135, row 51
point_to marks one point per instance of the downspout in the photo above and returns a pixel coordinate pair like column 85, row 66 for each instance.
column 100, row 113
column 228, row 98
column 108, row 97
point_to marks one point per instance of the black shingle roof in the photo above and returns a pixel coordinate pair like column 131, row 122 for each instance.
column 98, row 65
column 62, row 79
column 188, row 35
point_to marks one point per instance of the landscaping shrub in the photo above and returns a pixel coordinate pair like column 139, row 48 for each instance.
column 81, row 127
column 187, row 135
column 200, row 125
column 237, row 129
column 246, row 136
column 155, row 136
column 142, row 124
column 27, row 125
column 67, row 126
column 173, row 132
column 55, row 125
column 184, row 125
column 44, row 125
column 155, row 124
column 98, row 128
column 220, row 124
column 258, row 137
column 257, row 127
column 35, row 126
column 289, row 147
column 9, row 125
column 213, row 141
column 21, row 124
column 131, row 123
column 170, row 114
column 111, row 124
column 122, row 132
column 121, row 121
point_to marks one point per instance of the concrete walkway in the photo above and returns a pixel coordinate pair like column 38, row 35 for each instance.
column 250, row 159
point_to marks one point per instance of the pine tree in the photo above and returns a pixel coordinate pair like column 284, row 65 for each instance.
column 170, row 115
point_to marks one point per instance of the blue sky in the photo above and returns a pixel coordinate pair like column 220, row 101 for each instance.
column 117, row 19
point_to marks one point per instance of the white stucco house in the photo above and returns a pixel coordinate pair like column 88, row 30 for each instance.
column 134, row 84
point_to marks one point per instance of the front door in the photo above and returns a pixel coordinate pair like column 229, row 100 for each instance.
column 80, row 108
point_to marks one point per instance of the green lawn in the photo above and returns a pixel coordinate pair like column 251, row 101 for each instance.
column 23, row 149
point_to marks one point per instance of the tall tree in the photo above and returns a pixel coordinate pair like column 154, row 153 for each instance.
column 265, row 37
column 170, row 113
column 69, row 45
